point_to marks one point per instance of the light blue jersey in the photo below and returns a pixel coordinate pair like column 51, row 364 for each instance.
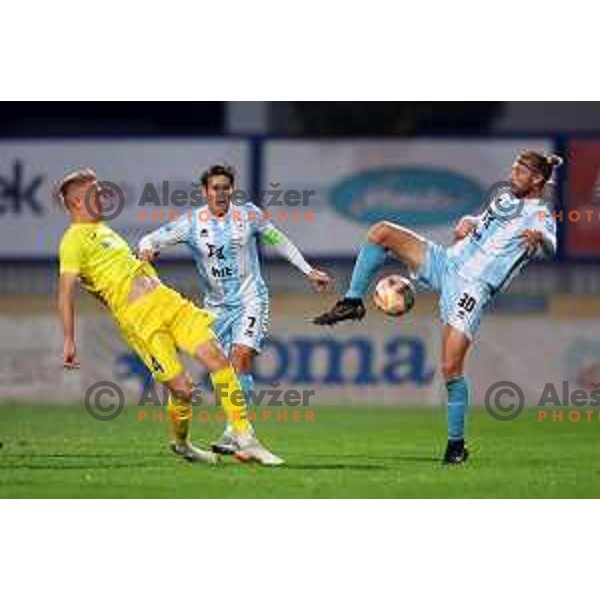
column 493, row 253
column 468, row 273
column 225, row 253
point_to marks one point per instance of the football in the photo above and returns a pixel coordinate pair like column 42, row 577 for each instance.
column 394, row 295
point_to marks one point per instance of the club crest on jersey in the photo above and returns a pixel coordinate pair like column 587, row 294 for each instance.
column 108, row 242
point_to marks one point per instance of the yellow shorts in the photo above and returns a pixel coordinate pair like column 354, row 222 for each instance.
column 159, row 323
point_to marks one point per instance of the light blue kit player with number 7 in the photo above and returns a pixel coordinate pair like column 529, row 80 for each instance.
column 224, row 247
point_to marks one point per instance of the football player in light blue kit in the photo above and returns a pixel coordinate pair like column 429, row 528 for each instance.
column 223, row 241
column 489, row 250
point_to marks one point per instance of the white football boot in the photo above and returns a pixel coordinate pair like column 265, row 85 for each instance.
column 226, row 444
column 193, row 454
column 249, row 449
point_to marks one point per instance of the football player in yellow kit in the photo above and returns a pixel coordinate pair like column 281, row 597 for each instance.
column 152, row 318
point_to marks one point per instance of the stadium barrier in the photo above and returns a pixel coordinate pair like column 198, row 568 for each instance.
column 383, row 361
column 425, row 183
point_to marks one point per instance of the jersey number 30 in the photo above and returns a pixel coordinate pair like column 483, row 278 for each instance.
column 467, row 302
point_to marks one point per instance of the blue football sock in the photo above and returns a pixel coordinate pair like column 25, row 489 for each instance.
column 370, row 258
column 247, row 384
column 458, row 400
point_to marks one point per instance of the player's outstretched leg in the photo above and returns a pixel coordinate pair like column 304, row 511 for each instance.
column 179, row 414
column 231, row 397
column 241, row 357
column 382, row 237
column 455, row 347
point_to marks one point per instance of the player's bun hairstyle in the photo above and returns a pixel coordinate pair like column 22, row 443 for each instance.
column 77, row 177
column 226, row 170
column 544, row 164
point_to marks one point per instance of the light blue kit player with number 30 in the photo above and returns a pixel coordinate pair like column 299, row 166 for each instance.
column 224, row 247
column 489, row 250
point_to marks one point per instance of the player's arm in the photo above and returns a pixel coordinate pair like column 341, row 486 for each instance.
column 66, row 307
column 465, row 226
column 152, row 244
column 277, row 240
column 540, row 239
column 70, row 256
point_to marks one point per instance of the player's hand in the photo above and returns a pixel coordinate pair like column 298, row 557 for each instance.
column 70, row 359
column 148, row 255
column 532, row 240
column 464, row 227
column 319, row 280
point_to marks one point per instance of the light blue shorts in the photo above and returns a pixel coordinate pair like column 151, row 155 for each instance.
column 461, row 301
column 246, row 325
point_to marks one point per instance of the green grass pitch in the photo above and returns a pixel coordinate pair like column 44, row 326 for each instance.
column 358, row 452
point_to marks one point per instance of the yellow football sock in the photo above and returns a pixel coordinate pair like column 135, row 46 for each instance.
column 230, row 395
column 179, row 414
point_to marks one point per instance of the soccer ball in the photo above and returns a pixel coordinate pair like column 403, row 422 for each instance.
column 394, row 295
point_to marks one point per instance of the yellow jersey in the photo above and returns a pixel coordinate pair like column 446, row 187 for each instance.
column 103, row 261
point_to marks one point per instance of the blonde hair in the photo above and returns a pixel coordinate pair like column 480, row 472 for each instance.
column 543, row 164
column 76, row 177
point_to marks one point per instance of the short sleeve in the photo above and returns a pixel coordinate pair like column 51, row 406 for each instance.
column 167, row 235
column 257, row 216
column 70, row 254
column 174, row 233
